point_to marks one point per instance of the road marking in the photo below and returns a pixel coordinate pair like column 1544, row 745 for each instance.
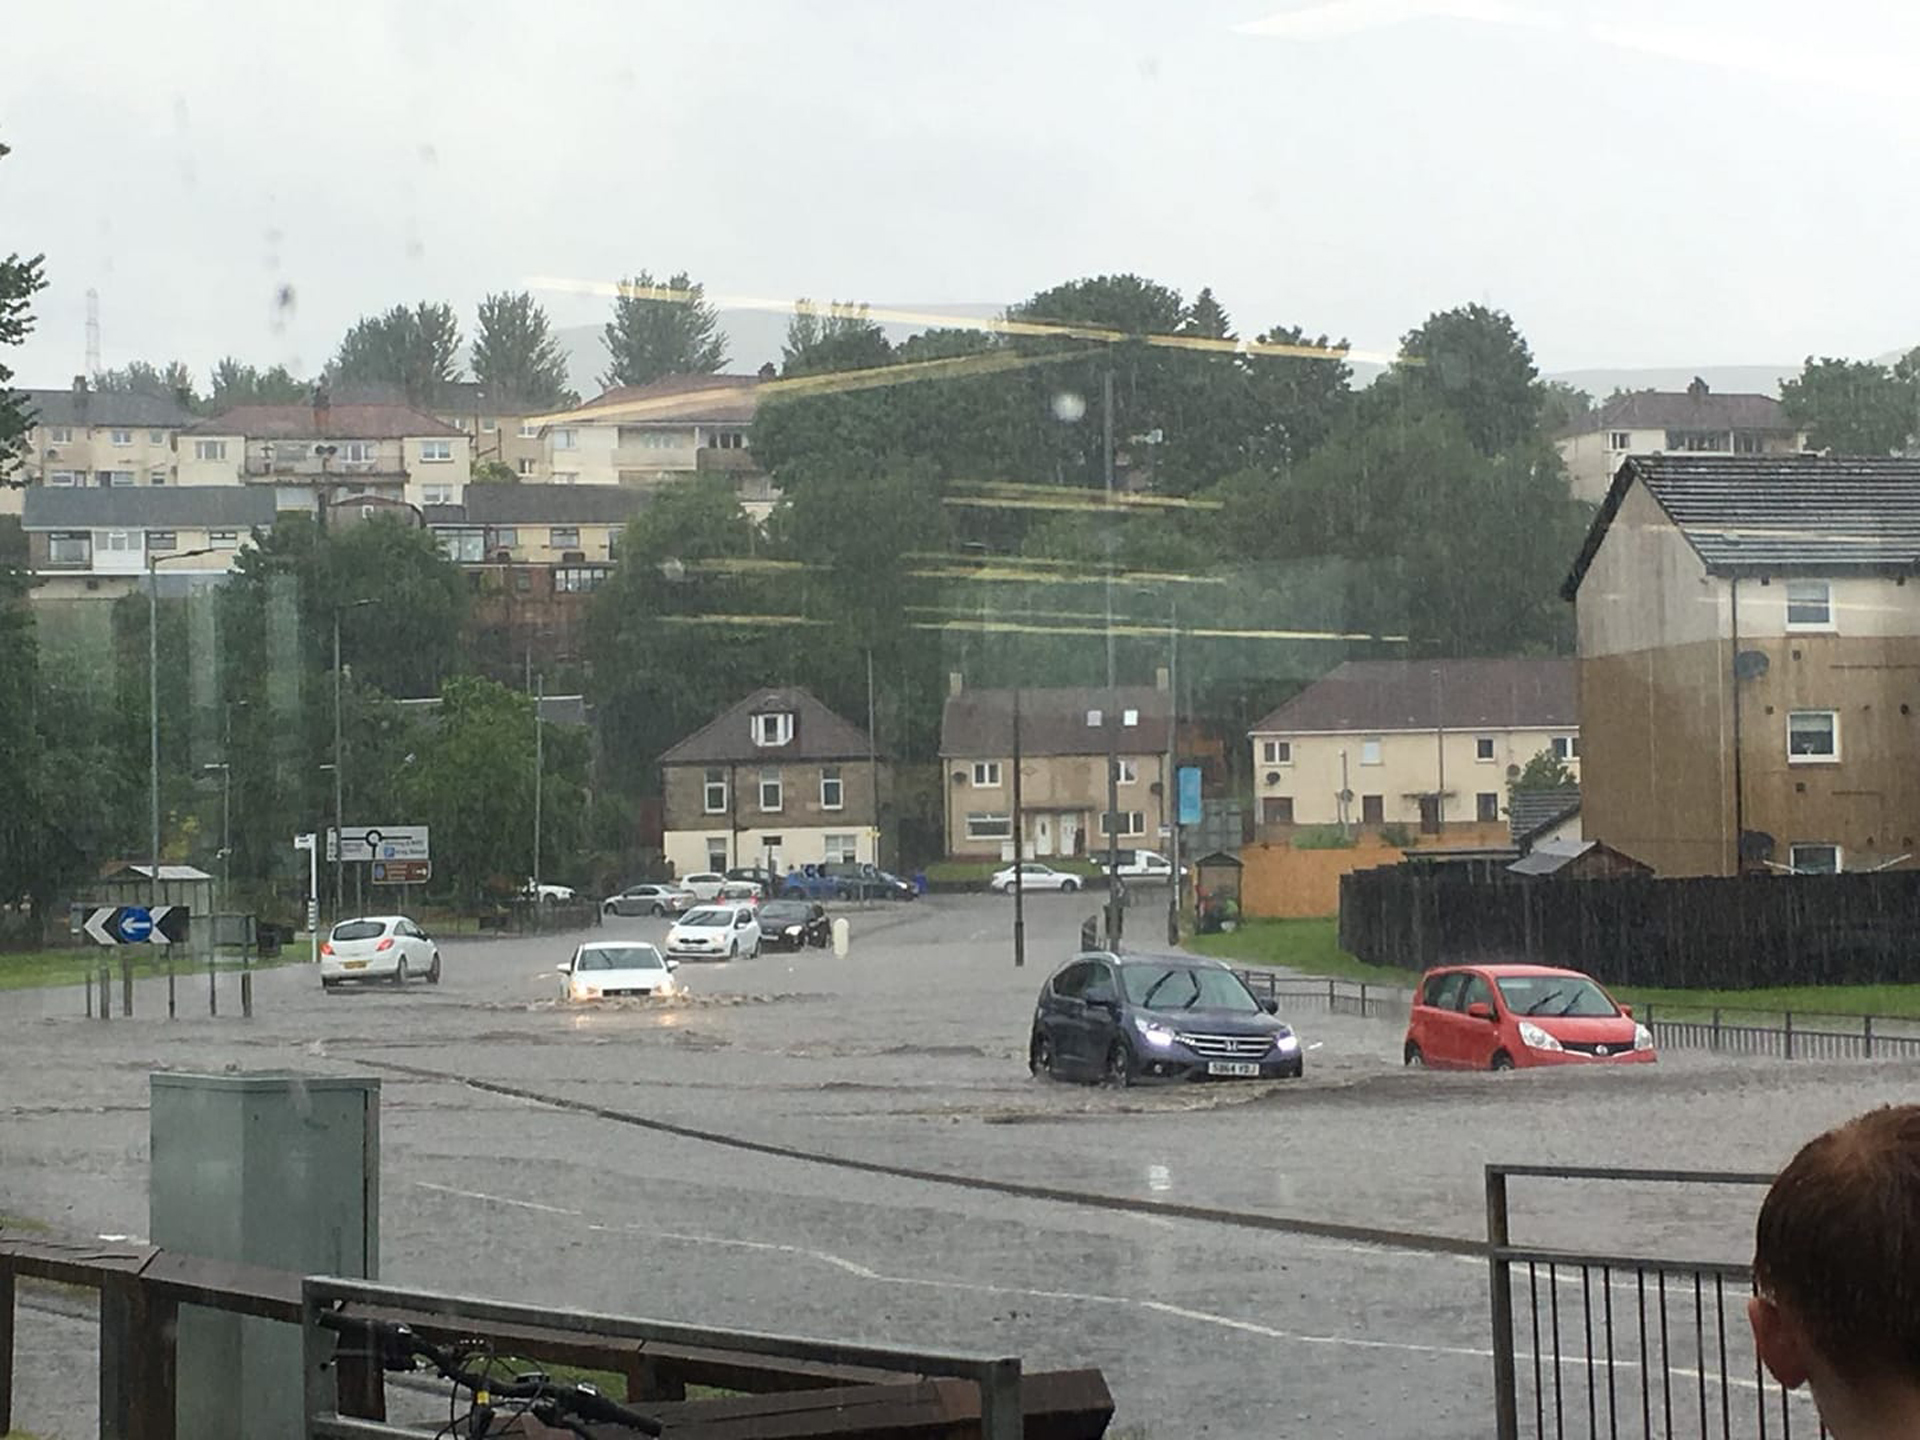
column 496, row 1199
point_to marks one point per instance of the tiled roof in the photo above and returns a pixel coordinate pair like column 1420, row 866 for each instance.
column 1380, row 695
column 1530, row 811
column 818, row 733
column 1684, row 410
column 1054, row 721
column 169, row 507
column 336, row 422
column 685, row 399
column 109, row 408
column 1769, row 514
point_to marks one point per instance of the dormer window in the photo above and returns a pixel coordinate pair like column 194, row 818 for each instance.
column 773, row 728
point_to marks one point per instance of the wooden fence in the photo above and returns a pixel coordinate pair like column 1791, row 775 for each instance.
column 1707, row 932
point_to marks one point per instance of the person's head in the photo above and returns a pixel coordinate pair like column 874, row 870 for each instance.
column 1836, row 1264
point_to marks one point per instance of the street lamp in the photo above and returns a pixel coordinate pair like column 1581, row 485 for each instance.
column 153, row 704
column 339, row 846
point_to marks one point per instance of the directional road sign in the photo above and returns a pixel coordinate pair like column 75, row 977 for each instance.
column 402, row 872
column 380, row 842
column 137, row 925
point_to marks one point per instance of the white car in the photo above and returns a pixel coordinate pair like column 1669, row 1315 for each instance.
column 549, row 894
column 1139, row 865
column 715, row 932
column 1034, row 877
column 705, row 886
column 378, row 947
column 607, row 968
column 648, row 899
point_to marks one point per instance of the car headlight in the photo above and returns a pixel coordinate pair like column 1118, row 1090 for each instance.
column 793, row 930
column 1154, row 1034
column 1642, row 1037
column 1537, row 1039
column 1286, row 1042
column 586, row 992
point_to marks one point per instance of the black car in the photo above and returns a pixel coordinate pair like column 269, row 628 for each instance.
column 793, row 924
column 1133, row 1017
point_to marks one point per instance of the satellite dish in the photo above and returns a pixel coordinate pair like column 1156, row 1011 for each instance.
column 1513, row 772
column 1756, row 845
column 1750, row 664
column 1273, row 777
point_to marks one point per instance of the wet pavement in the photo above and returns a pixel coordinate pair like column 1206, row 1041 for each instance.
column 911, row 1052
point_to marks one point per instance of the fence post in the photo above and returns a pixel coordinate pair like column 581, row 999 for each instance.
column 1789, row 1015
column 89, row 979
column 1716, row 1027
column 1866, row 1031
column 1329, row 994
column 213, row 984
column 6, row 1349
column 106, row 991
column 170, row 1006
column 1506, row 1405
column 1363, row 999
column 126, row 985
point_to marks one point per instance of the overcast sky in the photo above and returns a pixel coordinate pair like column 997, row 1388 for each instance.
column 1639, row 183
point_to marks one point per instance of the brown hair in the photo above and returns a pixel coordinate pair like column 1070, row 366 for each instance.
column 1837, row 1244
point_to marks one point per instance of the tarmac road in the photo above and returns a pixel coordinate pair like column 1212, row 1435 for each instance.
column 911, row 1052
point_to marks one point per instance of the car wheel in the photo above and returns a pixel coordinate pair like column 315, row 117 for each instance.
column 733, row 951
column 1120, row 1065
column 1067, row 887
column 1413, row 1059
column 433, row 970
column 327, row 984
column 754, row 954
column 1502, row 1060
column 843, row 893
column 400, row 973
column 1040, row 1055
column 659, row 910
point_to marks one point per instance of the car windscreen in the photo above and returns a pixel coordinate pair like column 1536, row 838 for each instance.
column 1186, row 987
column 709, row 919
column 624, row 957
column 1554, row 995
column 359, row 929
column 784, row 913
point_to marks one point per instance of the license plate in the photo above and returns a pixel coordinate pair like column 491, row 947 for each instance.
column 353, row 964
column 1232, row 1067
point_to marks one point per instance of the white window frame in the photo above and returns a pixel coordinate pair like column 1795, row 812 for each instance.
column 1619, row 440
column 224, row 539
column 365, row 452
column 1371, row 750
column 59, row 434
column 156, row 477
column 436, row 452
column 989, row 825
column 209, row 449
column 70, row 548
column 713, row 792
column 529, row 431
column 1483, row 750
column 771, row 783
column 488, row 424
column 1276, row 752
column 116, row 479
column 556, row 537
column 1129, row 718
column 120, row 437
column 1839, row 857
column 830, row 777
column 1136, row 822
column 1566, row 747
column 841, row 849
column 1126, row 772
column 122, row 542
column 436, row 494
column 1828, row 757
column 772, row 728
column 64, row 479
column 156, row 437
column 986, row 775
column 1094, row 719
column 566, row 438
column 1480, row 806
column 162, row 542
column 527, row 466
column 1825, row 602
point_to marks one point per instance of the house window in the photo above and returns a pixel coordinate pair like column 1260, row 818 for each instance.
column 463, row 547
column 566, row 439
column 1486, row 805
column 1093, row 719
column 1814, row 859
column 773, row 728
column 1373, row 810
column 1126, row 772
column 1129, row 717
column 156, row 437
column 224, row 539
column 523, row 582
column 1483, row 747
column 1132, row 822
column 841, row 849
column 832, row 791
column 714, row 793
column 162, row 540
column 122, row 542
column 1809, row 605
column 156, row 477
column 436, row 494
column 727, row 440
column 1276, row 809
column 1277, row 752
column 989, row 825
column 59, row 435
column 1566, row 747
column 122, row 437
column 986, row 774
column 116, row 478
column 488, row 425
column 71, row 547
column 1700, row 441
column 1747, row 442
column 365, row 452
column 770, row 796
column 1619, row 440
column 505, row 537
column 563, row 537
column 578, row 579
column 436, row 450
column 529, row 430
column 1813, row 736
column 1370, row 750
column 64, row 478
column 526, row 467
column 716, row 852
column 209, row 449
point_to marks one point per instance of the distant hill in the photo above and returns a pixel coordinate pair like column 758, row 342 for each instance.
column 1724, row 379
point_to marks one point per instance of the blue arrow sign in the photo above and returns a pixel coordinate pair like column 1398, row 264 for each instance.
column 136, row 924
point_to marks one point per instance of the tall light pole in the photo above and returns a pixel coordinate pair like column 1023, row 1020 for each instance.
column 1111, row 715
column 153, row 704
column 339, row 787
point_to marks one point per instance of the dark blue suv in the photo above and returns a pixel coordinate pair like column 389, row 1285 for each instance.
column 1132, row 1017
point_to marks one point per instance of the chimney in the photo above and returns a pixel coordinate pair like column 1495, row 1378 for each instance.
column 322, row 410
column 956, row 682
column 1162, row 678
column 1697, row 391
column 80, row 398
column 767, row 372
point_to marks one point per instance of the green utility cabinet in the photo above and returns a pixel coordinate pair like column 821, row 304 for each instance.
column 265, row 1168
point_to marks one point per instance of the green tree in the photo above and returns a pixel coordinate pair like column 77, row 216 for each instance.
column 234, row 383
column 649, row 337
column 472, row 783
column 1474, row 362
column 174, row 382
column 515, row 353
column 1561, row 405
column 1545, row 771
column 1854, row 407
column 843, row 337
column 20, row 280
column 415, row 350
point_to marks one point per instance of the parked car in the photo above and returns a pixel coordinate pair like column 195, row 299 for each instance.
column 794, row 924
column 766, row 879
column 546, row 894
column 866, row 881
column 604, row 969
column 739, row 892
column 1134, row 1017
column 378, row 947
column 1034, row 876
column 705, row 885
column 715, row 932
column 1139, row 865
column 1499, row 1017
column 809, row 883
column 651, row 898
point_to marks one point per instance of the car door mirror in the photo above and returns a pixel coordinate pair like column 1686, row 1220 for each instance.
column 1627, row 1010
column 1480, row 1010
column 1272, row 1007
column 566, row 969
column 673, row 965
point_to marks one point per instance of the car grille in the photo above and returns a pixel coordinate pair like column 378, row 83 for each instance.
column 1592, row 1047
column 1227, row 1047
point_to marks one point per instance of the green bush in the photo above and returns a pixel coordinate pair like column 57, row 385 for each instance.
column 1398, row 836
column 1322, row 837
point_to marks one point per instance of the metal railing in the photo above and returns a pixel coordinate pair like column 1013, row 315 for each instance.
column 1591, row 1344
column 1335, row 997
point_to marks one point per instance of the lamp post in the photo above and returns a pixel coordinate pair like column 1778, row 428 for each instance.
column 225, row 767
column 153, row 705
column 339, row 787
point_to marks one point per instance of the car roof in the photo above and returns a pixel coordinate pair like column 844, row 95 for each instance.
column 616, row 944
column 368, row 919
column 1513, row 970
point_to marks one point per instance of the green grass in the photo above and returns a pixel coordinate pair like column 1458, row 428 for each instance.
column 1891, row 1000
column 1309, row 946
column 36, row 969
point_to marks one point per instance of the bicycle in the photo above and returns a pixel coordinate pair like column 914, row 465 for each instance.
column 565, row 1406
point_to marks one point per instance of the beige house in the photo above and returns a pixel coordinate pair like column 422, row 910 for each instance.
column 1423, row 746
column 96, row 544
column 573, row 528
column 776, row 780
column 318, row 455
column 1064, row 738
column 83, row 438
column 1654, row 422
column 1748, row 639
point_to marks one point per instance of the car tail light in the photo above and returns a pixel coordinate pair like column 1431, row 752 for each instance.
column 326, row 947
column 386, row 944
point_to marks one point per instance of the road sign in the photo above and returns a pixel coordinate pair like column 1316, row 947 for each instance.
column 1189, row 783
column 303, row 842
column 402, row 872
column 380, row 842
column 137, row 925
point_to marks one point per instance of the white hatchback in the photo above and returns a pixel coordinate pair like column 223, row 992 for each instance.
column 715, row 932
column 604, row 969
column 378, row 947
column 705, row 886
column 1034, row 877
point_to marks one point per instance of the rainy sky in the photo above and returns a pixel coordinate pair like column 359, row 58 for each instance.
column 1639, row 183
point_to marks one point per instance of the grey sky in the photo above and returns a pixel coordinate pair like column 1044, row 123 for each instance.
column 1638, row 183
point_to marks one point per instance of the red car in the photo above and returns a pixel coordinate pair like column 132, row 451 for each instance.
column 1497, row 1017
